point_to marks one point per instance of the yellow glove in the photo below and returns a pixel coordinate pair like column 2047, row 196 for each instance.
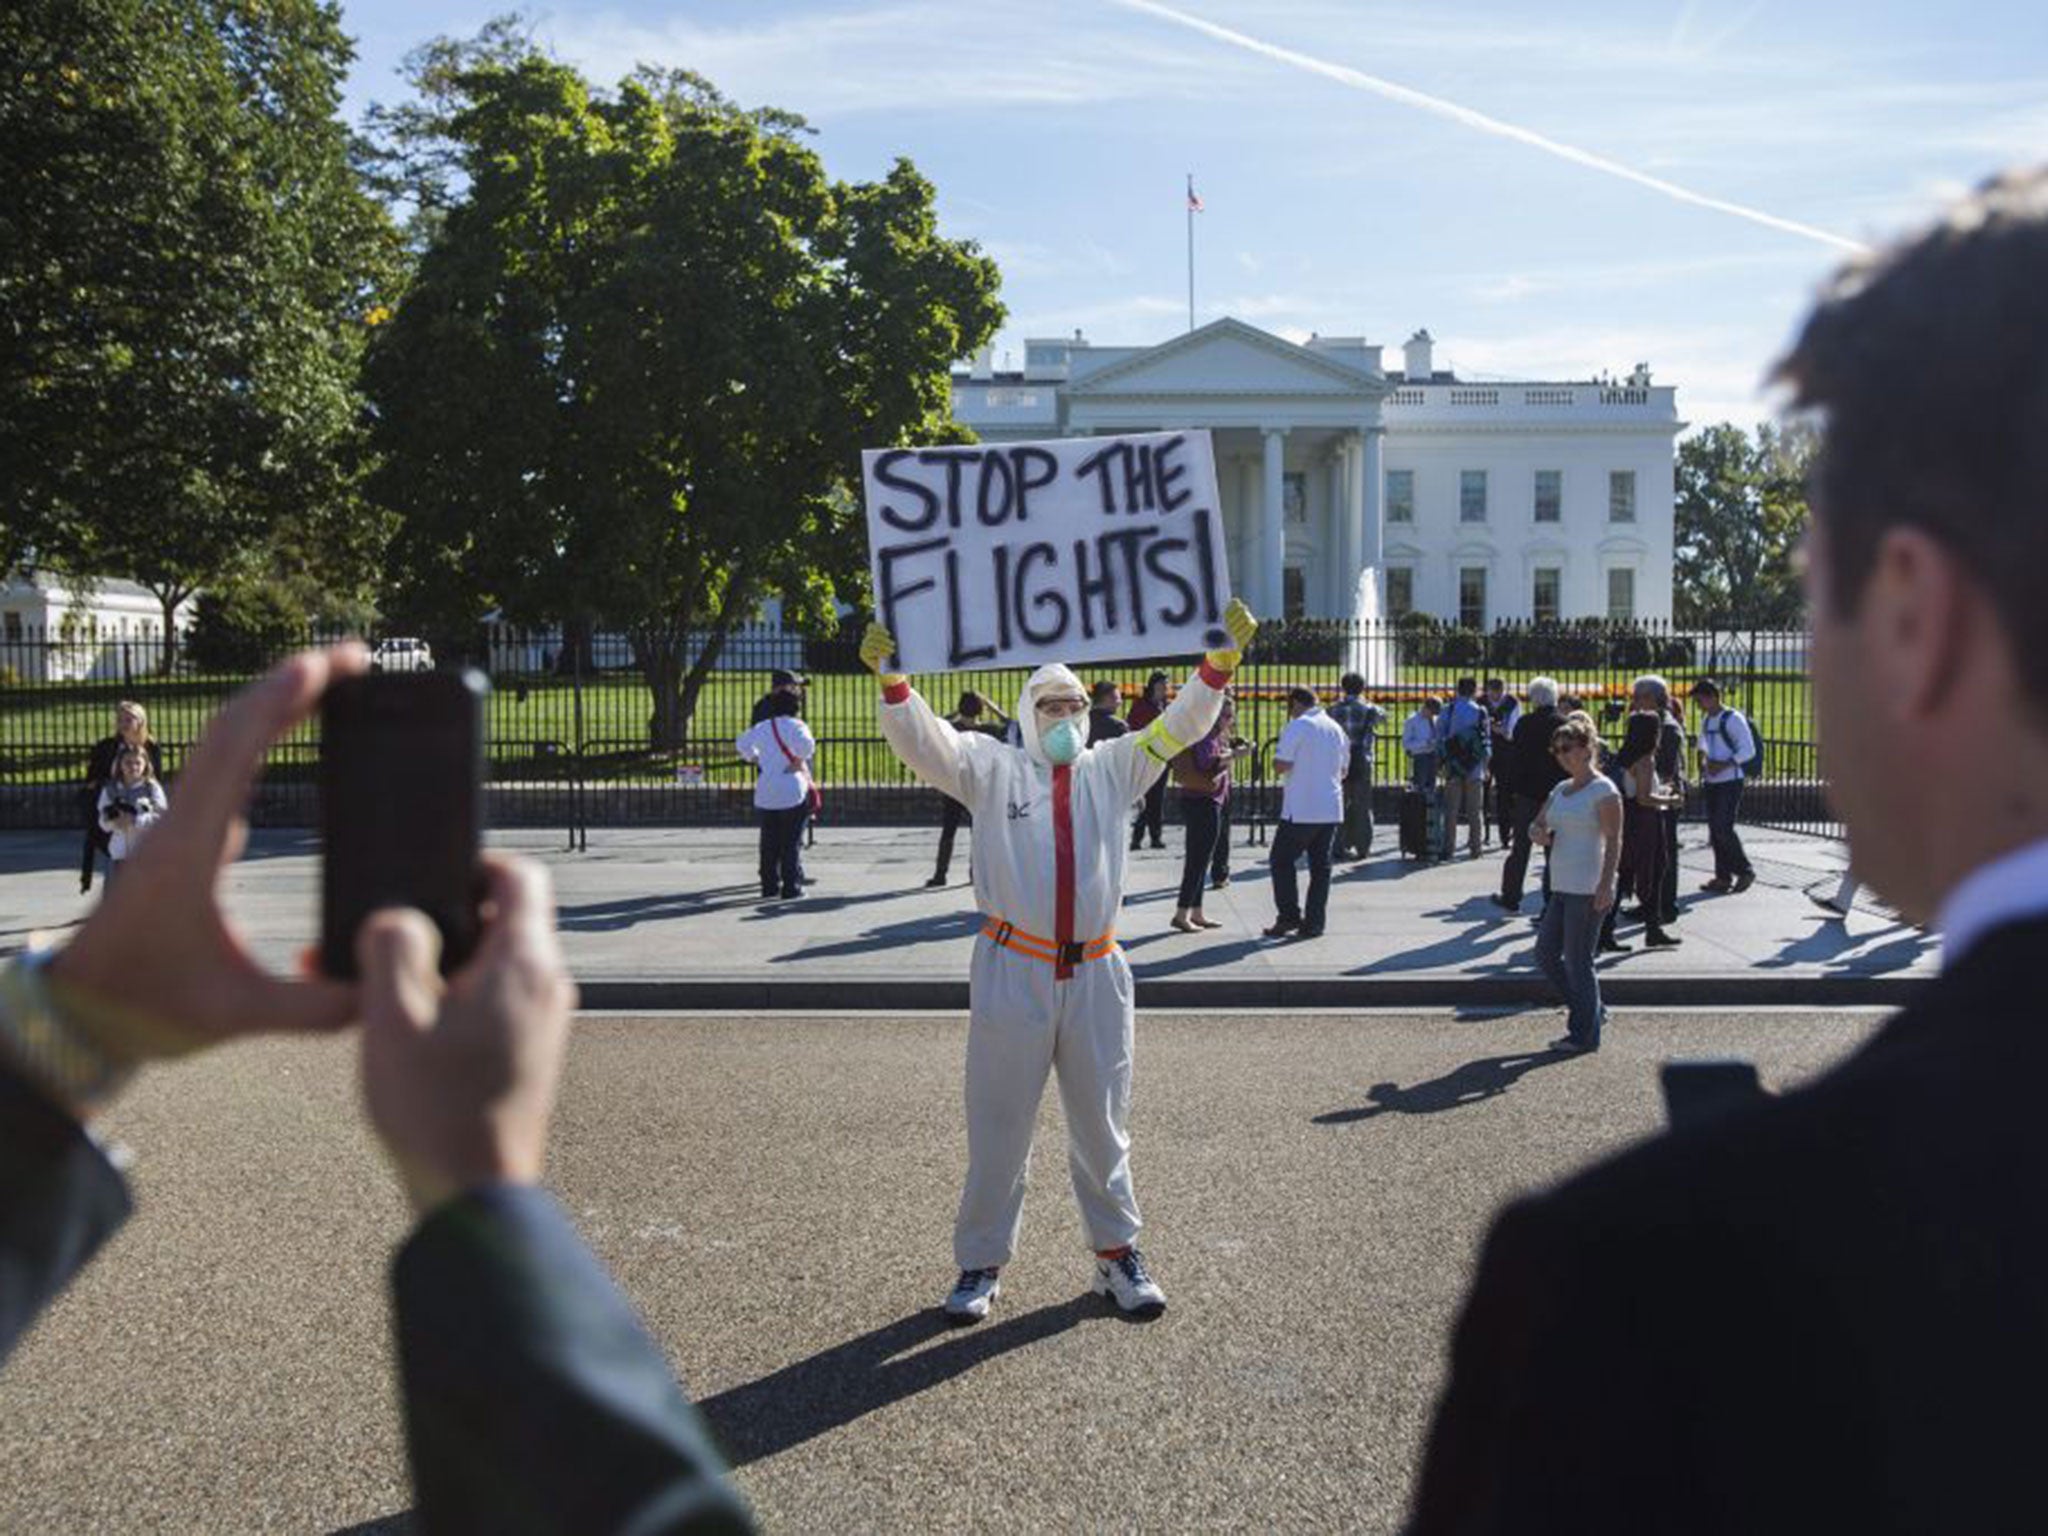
column 1238, row 619
column 876, row 647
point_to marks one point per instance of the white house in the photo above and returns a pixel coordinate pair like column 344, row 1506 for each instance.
column 51, row 631
column 1478, row 501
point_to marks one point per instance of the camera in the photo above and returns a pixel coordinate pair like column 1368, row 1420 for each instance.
column 125, row 807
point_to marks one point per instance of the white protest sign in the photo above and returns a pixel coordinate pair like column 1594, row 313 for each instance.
column 1076, row 549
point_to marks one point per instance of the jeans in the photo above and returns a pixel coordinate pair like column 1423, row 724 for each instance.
column 1464, row 799
column 1203, row 819
column 1724, row 800
column 1291, row 839
column 1356, row 833
column 782, row 839
column 1564, row 949
column 1422, row 771
column 1522, row 811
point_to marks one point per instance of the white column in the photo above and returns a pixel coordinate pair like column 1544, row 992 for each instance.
column 1338, row 486
column 1354, row 520
column 1373, row 506
column 1250, row 573
column 1273, row 531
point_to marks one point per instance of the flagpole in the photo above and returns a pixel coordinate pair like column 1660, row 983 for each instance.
column 1191, row 250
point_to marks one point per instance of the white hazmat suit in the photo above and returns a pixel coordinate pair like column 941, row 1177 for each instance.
column 1050, row 990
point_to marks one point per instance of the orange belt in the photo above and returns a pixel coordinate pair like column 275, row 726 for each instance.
column 1030, row 944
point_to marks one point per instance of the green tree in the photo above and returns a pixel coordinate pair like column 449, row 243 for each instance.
column 1741, row 511
column 188, row 264
column 631, row 379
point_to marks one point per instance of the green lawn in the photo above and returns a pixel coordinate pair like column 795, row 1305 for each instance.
column 533, row 724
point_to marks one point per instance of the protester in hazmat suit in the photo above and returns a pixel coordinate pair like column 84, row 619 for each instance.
column 1050, row 989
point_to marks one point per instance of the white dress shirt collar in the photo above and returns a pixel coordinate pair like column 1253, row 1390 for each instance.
column 2010, row 889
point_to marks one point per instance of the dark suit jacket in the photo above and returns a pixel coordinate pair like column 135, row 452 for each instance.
column 1826, row 1312
column 1531, row 770
column 534, row 1402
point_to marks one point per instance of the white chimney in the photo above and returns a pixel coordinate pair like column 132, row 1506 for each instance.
column 1420, row 360
column 984, row 363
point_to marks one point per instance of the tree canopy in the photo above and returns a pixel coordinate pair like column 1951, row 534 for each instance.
column 188, row 264
column 1741, row 512
column 646, row 340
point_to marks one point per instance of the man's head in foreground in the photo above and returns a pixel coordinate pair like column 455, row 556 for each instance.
column 1926, row 367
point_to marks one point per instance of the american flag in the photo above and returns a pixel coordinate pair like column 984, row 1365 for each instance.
column 1194, row 202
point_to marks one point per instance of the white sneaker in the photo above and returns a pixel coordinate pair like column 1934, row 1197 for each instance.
column 972, row 1293
column 1126, row 1282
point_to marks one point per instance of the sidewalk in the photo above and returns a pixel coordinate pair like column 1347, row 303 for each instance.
column 670, row 919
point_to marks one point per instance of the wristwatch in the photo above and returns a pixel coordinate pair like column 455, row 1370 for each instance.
column 47, row 1047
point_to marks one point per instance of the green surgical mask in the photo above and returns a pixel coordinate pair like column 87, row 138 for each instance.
column 1063, row 743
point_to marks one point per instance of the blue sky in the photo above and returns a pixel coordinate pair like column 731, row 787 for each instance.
column 1371, row 168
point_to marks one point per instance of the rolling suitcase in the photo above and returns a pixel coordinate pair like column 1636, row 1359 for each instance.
column 1415, row 820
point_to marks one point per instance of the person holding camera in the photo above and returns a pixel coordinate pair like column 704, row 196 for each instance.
column 785, row 790
column 534, row 1400
column 129, row 805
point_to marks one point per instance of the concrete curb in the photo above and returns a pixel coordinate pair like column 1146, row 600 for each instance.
column 1277, row 994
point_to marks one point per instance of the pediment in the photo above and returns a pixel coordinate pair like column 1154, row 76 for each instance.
column 1227, row 357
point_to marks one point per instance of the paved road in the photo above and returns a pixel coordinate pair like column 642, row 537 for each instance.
column 776, row 1195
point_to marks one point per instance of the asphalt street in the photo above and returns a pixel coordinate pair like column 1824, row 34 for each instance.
column 776, row 1194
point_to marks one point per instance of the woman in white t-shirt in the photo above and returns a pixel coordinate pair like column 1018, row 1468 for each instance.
column 1580, row 824
column 781, row 746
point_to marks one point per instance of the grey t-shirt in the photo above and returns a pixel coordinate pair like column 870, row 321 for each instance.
column 1573, row 817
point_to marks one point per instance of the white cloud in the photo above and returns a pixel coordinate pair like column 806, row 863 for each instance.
column 918, row 56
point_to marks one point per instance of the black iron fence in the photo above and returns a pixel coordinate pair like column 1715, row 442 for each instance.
column 571, row 726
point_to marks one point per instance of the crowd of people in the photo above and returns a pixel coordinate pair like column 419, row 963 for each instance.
column 1817, row 1311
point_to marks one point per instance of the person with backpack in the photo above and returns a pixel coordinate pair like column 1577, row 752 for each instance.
column 1361, row 723
column 1728, row 753
column 1467, row 738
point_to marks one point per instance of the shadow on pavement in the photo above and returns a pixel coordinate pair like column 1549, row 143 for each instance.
column 1831, row 944
column 831, row 1389
column 609, row 916
column 388, row 1525
column 915, row 930
column 1472, row 1083
column 1476, row 949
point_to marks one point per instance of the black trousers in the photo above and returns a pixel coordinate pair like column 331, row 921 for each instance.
column 1667, row 894
column 1203, row 819
column 1151, row 817
column 1291, row 839
column 949, row 827
column 1514, row 873
column 782, row 841
column 1219, row 862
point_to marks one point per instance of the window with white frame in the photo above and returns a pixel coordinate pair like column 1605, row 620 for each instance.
column 1621, row 592
column 1400, row 495
column 1471, row 495
column 1472, row 596
column 1549, row 495
column 1544, row 598
column 1621, row 496
column 1400, row 590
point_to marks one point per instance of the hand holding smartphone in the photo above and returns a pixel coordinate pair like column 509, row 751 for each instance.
column 401, row 807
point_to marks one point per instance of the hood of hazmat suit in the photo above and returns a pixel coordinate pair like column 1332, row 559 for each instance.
column 1050, row 679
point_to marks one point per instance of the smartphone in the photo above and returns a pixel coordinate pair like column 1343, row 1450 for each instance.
column 401, row 807
column 1696, row 1091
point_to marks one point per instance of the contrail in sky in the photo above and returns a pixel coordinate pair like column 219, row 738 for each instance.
column 1373, row 85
